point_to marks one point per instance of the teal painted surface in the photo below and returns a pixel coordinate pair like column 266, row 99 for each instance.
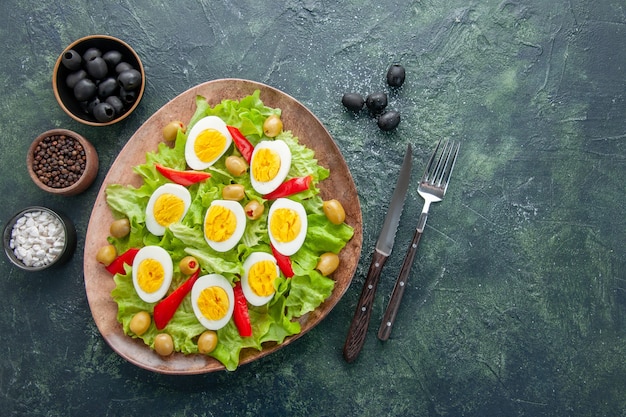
column 517, row 301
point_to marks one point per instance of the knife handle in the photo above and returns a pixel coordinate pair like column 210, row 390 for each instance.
column 361, row 319
column 398, row 289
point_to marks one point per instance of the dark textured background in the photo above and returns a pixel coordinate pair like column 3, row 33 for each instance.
column 517, row 301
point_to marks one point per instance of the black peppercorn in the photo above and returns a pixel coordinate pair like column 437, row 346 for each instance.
column 59, row 161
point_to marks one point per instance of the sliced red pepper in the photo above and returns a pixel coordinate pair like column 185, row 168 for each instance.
column 290, row 187
column 284, row 262
column 241, row 316
column 165, row 309
column 117, row 266
column 242, row 143
column 185, row 178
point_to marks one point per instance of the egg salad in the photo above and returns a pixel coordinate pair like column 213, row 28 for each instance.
column 212, row 222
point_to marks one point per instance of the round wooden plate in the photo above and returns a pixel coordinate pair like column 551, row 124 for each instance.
column 304, row 125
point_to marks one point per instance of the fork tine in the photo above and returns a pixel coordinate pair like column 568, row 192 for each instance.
column 449, row 166
column 429, row 166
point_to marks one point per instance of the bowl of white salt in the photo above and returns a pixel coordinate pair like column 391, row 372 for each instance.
column 39, row 238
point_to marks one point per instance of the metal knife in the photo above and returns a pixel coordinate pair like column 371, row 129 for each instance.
column 361, row 319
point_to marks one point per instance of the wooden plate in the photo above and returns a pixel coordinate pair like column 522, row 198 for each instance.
column 304, row 125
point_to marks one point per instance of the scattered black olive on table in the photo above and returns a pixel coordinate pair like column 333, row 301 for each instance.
column 353, row 101
column 389, row 120
column 103, row 83
column 377, row 102
column 396, row 75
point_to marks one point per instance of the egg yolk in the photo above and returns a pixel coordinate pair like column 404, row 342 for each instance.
column 220, row 224
column 261, row 278
column 209, row 145
column 285, row 225
column 150, row 275
column 168, row 209
column 213, row 303
column 265, row 165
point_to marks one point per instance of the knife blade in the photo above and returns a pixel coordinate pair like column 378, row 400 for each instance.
column 384, row 244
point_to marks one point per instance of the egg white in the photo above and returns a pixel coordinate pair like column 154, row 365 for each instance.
column 163, row 257
column 207, row 281
column 252, row 297
column 240, row 228
column 284, row 153
column 209, row 122
column 176, row 189
column 288, row 248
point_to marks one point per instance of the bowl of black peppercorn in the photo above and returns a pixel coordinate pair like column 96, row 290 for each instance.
column 62, row 162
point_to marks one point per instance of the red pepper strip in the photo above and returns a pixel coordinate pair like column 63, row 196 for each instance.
column 242, row 143
column 165, row 309
column 185, row 178
column 284, row 262
column 241, row 317
column 117, row 266
column 290, row 187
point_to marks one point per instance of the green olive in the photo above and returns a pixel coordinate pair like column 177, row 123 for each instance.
column 234, row 192
column 236, row 165
column 189, row 265
column 170, row 131
column 327, row 263
column 334, row 211
column 120, row 228
column 140, row 323
column 254, row 209
column 207, row 341
column 106, row 255
column 272, row 126
column 163, row 344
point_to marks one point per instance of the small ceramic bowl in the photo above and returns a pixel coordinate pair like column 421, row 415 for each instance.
column 38, row 238
column 93, row 82
column 62, row 162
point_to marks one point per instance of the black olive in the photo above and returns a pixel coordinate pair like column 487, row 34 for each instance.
column 396, row 75
column 107, row 87
column 75, row 77
column 353, row 101
column 91, row 53
column 123, row 66
column 104, row 112
column 91, row 105
column 389, row 120
column 129, row 79
column 71, row 60
column 97, row 68
column 376, row 102
column 128, row 96
column 85, row 90
column 112, row 58
column 116, row 103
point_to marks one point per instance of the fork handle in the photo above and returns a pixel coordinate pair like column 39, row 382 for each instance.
column 389, row 317
column 363, row 312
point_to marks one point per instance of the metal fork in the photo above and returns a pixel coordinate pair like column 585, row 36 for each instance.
column 432, row 188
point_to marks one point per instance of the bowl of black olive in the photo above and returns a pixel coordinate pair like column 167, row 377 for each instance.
column 98, row 80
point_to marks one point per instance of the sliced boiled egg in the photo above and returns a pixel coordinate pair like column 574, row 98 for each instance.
column 168, row 204
column 207, row 141
column 213, row 301
column 269, row 165
column 257, row 281
column 287, row 225
column 224, row 224
column 152, row 273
